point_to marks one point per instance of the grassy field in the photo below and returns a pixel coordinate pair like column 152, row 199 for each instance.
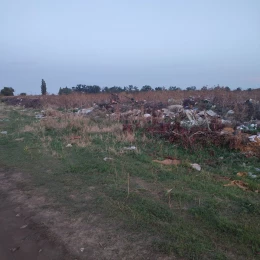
column 179, row 211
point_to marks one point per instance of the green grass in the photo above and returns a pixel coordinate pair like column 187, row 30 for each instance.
column 198, row 219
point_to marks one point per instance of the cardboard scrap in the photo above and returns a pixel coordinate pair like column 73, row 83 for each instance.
column 242, row 174
column 242, row 185
column 168, row 162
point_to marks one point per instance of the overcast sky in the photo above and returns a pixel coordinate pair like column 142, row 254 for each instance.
column 118, row 42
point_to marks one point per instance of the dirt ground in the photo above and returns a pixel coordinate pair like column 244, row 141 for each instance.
column 32, row 230
column 20, row 237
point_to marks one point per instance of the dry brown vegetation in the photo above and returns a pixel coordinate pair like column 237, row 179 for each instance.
column 76, row 100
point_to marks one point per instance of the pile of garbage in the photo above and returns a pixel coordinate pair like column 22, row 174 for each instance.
column 191, row 121
column 25, row 102
column 189, row 112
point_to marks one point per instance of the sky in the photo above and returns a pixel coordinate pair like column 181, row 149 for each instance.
column 129, row 42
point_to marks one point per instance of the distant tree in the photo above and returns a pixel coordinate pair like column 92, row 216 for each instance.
column 105, row 89
column 116, row 89
column 227, row 88
column 249, row 89
column 217, row 87
column 146, row 88
column 158, row 89
column 131, row 88
column 23, row 94
column 191, row 88
column 43, row 87
column 65, row 91
column 86, row 88
column 204, row 88
column 94, row 89
column 7, row 91
column 238, row 89
column 173, row 88
column 136, row 89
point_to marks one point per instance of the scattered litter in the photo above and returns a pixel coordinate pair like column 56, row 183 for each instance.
column 108, row 159
column 227, row 130
column 168, row 191
column 4, row 132
column 147, row 115
column 82, row 249
column 211, row 113
column 168, row 162
column 85, row 110
column 24, row 226
column 196, row 166
column 39, row 116
column 254, row 138
column 18, row 215
column 230, row 112
column 242, row 185
column 242, row 174
column 257, row 169
column 251, row 175
column 19, row 139
column 175, row 108
column 14, row 249
column 221, row 178
column 130, row 148
column 69, row 145
column 40, row 250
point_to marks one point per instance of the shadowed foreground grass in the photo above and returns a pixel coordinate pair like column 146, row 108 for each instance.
column 188, row 213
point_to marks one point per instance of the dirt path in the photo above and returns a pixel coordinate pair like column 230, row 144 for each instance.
column 20, row 238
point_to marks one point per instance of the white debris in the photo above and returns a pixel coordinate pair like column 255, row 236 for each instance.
column 147, row 115
column 4, row 132
column 196, row 166
column 24, row 226
column 130, row 148
column 69, row 145
column 86, row 110
column 190, row 114
column 19, row 139
column 108, row 159
column 136, row 112
column 226, row 122
column 230, row 113
column 201, row 113
column 39, row 116
column 254, row 138
column 251, row 175
column 211, row 113
column 170, row 101
column 165, row 111
column 175, row 108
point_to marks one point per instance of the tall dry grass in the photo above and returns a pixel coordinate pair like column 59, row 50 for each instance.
column 221, row 96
